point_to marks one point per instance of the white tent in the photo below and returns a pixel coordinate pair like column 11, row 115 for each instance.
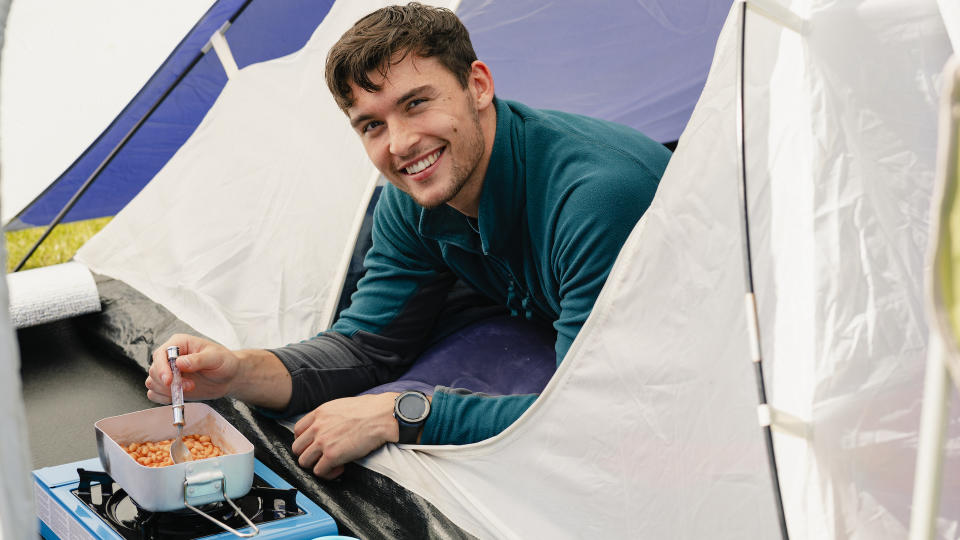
column 649, row 427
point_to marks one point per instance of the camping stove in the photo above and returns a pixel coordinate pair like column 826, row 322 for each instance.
column 78, row 501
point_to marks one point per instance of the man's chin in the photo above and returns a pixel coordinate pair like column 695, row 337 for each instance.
column 431, row 200
column 431, row 203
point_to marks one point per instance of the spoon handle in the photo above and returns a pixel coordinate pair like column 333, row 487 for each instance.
column 176, row 387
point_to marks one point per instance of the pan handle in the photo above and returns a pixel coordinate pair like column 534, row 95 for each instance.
column 223, row 488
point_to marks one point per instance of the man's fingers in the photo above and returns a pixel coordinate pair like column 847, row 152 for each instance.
column 303, row 423
column 302, row 439
column 310, row 455
column 189, row 363
column 160, row 391
column 157, row 397
column 329, row 466
column 324, row 465
column 158, row 388
column 334, row 472
column 159, row 368
column 186, row 345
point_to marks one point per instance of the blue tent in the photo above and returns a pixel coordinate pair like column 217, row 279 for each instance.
column 643, row 65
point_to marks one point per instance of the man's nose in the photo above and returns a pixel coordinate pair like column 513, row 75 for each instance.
column 403, row 139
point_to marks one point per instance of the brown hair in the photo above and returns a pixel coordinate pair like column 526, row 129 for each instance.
column 386, row 36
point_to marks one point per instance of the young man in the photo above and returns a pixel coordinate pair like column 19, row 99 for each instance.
column 528, row 207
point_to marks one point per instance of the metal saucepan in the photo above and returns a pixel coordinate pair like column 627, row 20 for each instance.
column 183, row 485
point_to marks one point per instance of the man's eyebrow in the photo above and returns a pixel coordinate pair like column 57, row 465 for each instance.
column 354, row 122
column 418, row 90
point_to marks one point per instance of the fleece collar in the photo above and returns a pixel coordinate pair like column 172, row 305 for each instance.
column 502, row 197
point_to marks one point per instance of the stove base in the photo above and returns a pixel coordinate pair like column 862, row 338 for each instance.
column 63, row 515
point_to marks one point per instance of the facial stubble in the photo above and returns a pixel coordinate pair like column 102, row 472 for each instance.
column 461, row 172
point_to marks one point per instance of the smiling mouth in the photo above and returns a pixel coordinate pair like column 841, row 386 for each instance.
column 423, row 163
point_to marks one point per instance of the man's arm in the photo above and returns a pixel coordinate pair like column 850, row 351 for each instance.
column 210, row 371
column 375, row 340
column 327, row 437
column 459, row 416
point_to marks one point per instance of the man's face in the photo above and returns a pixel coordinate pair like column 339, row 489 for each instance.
column 422, row 131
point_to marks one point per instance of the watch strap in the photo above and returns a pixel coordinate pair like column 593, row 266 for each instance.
column 408, row 432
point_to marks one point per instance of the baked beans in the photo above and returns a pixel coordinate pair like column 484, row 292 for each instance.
column 157, row 453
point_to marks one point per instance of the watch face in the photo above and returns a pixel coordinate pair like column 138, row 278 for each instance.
column 412, row 407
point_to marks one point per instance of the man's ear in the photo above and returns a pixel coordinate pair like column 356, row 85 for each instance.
column 480, row 84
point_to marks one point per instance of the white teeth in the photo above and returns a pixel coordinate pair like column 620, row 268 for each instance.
column 423, row 163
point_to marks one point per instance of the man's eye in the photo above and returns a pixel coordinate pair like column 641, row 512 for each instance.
column 370, row 126
column 413, row 103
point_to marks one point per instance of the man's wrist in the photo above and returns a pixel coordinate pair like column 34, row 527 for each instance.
column 261, row 379
column 391, row 426
column 411, row 409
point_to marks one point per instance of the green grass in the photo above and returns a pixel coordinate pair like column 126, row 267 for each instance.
column 58, row 248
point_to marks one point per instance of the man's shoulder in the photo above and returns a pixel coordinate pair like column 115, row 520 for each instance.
column 575, row 165
column 556, row 136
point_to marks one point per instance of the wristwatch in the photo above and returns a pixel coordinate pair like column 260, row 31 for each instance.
column 411, row 409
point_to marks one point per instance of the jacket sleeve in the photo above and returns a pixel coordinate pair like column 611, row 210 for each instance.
column 458, row 416
column 389, row 319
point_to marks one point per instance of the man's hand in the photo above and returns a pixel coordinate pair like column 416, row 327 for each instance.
column 343, row 430
column 211, row 371
column 207, row 367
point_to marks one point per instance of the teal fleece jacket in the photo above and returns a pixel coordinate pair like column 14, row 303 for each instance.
column 561, row 194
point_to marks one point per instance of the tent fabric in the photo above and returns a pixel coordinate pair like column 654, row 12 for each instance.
column 951, row 19
column 839, row 179
column 260, row 32
column 646, row 72
column 218, row 282
column 111, row 53
column 861, row 223
column 560, row 70
column 17, row 513
column 263, row 179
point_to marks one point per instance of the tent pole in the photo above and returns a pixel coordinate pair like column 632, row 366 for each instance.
column 753, row 326
column 933, row 423
column 941, row 345
column 119, row 146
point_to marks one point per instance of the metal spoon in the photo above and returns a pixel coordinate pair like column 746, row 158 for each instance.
column 178, row 451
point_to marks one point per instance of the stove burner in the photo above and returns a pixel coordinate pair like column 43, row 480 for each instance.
column 105, row 498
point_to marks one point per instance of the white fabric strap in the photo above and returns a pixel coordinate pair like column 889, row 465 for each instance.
column 220, row 45
column 782, row 422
